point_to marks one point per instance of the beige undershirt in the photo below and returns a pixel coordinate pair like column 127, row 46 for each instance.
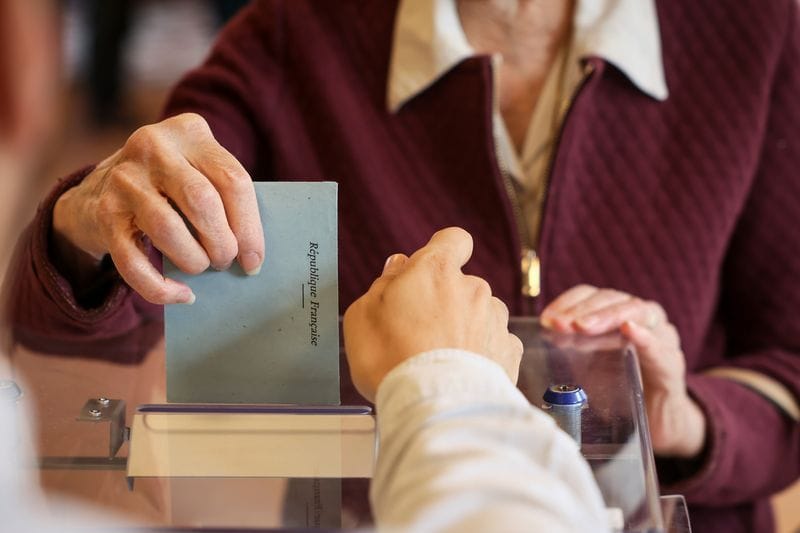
column 530, row 167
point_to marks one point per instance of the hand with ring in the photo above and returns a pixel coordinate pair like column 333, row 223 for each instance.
column 677, row 424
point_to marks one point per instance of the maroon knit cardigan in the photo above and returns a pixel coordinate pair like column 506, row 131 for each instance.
column 692, row 202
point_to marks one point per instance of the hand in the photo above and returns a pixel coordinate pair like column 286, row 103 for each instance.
column 677, row 424
column 173, row 183
column 423, row 303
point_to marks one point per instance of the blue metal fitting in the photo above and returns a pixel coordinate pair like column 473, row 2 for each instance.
column 564, row 402
column 564, row 395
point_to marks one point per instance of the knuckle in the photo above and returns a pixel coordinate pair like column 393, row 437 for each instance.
column 583, row 287
column 191, row 122
column 377, row 286
column 164, row 230
column 636, row 302
column 354, row 312
column 154, row 294
column 234, row 179
column 196, row 265
column 657, row 308
column 481, row 287
column 143, row 141
column 672, row 332
column 191, row 117
column 222, row 251
column 517, row 348
column 161, row 224
column 133, row 274
column 607, row 294
column 200, row 196
column 453, row 231
column 433, row 260
column 230, row 250
column 501, row 307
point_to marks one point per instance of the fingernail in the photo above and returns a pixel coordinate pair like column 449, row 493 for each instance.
column 630, row 329
column 392, row 261
column 546, row 320
column 631, row 325
column 251, row 263
column 190, row 299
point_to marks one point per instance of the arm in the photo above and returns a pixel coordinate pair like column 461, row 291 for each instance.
column 462, row 450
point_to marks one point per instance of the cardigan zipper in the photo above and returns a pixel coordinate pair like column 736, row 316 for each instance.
column 529, row 261
column 530, row 265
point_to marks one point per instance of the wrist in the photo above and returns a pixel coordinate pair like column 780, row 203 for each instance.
column 67, row 241
column 83, row 270
column 448, row 376
column 687, row 426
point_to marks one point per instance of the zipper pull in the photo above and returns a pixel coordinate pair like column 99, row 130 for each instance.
column 531, row 269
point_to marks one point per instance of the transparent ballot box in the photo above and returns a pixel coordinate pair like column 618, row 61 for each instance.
column 607, row 419
column 106, row 439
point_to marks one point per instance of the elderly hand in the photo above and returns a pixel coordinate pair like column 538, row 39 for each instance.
column 173, row 183
column 677, row 424
column 423, row 303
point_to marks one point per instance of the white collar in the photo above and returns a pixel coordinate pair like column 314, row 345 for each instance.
column 429, row 41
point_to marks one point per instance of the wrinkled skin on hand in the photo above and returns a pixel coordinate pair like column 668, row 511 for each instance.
column 173, row 183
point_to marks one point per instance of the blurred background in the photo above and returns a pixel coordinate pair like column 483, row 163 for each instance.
column 78, row 76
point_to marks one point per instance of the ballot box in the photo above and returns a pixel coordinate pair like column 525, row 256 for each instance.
column 101, row 436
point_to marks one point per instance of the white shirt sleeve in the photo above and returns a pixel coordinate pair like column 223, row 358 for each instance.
column 461, row 449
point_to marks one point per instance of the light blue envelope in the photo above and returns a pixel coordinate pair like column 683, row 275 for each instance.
column 270, row 338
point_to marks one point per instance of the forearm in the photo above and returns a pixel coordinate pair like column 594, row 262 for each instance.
column 461, row 449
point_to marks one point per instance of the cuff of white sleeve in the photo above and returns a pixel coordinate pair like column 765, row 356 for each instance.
column 449, row 376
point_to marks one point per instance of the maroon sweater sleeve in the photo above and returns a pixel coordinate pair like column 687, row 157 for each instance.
column 753, row 448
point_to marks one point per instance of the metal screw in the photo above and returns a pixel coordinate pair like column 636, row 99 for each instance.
column 94, row 412
column 103, row 401
column 9, row 390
